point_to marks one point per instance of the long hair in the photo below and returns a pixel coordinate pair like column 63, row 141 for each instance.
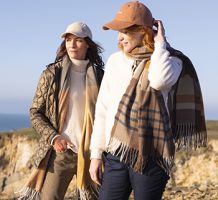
column 148, row 39
column 93, row 53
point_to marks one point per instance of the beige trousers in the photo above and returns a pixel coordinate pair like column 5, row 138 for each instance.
column 61, row 169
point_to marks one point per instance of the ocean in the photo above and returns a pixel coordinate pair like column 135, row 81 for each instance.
column 11, row 122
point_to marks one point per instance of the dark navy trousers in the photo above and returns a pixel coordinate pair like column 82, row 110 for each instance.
column 119, row 180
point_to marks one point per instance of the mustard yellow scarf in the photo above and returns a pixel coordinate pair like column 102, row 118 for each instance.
column 85, row 185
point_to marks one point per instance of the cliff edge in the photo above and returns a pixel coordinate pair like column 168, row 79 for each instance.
column 194, row 176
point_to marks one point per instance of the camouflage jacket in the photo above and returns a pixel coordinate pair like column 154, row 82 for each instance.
column 44, row 109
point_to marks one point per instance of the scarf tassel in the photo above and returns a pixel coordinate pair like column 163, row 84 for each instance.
column 187, row 137
column 126, row 154
column 166, row 163
column 130, row 157
column 28, row 193
column 91, row 192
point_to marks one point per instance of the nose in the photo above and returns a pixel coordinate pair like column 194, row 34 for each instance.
column 73, row 43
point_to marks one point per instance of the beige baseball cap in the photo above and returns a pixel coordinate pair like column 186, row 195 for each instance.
column 79, row 29
column 130, row 13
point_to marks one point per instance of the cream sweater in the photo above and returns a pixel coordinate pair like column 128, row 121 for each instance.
column 73, row 124
column 163, row 74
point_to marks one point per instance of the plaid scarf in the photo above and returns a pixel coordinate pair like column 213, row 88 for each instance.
column 186, row 107
column 142, row 129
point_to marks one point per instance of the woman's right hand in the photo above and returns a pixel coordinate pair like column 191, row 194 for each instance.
column 160, row 34
column 60, row 144
column 95, row 170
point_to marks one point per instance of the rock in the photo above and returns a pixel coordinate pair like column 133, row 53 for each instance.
column 199, row 169
column 2, row 183
column 214, row 145
column 24, row 152
column 15, row 152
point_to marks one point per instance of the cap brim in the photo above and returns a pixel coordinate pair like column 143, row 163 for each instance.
column 63, row 35
column 117, row 25
column 76, row 34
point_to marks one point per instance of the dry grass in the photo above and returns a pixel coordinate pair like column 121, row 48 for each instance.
column 212, row 128
column 27, row 132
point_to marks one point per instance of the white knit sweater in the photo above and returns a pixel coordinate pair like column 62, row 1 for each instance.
column 73, row 124
column 163, row 74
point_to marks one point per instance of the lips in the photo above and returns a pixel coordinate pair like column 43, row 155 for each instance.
column 72, row 49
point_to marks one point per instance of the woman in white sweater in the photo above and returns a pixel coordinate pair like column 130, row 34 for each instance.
column 144, row 64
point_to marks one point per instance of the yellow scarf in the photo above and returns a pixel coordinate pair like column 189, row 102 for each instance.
column 88, row 190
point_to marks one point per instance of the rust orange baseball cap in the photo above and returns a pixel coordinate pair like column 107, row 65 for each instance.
column 130, row 13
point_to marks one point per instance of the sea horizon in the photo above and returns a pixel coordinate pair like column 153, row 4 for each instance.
column 13, row 121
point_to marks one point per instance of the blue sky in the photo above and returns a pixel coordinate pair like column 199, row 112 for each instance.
column 30, row 35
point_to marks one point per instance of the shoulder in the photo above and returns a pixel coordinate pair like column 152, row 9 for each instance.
column 51, row 70
column 115, row 56
column 178, row 54
column 100, row 71
column 117, row 60
column 187, row 65
column 53, row 66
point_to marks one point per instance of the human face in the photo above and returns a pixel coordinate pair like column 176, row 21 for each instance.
column 76, row 47
column 129, row 40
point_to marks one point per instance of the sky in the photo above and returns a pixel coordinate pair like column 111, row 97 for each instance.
column 30, row 35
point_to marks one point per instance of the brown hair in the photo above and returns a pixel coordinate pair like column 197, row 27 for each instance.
column 93, row 53
column 148, row 39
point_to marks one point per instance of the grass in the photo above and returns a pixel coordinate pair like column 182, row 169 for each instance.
column 212, row 129
column 30, row 133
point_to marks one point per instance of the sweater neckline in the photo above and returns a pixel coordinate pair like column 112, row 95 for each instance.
column 79, row 65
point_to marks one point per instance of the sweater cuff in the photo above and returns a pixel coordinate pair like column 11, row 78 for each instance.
column 52, row 140
column 160, row 45
column 96, row 153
